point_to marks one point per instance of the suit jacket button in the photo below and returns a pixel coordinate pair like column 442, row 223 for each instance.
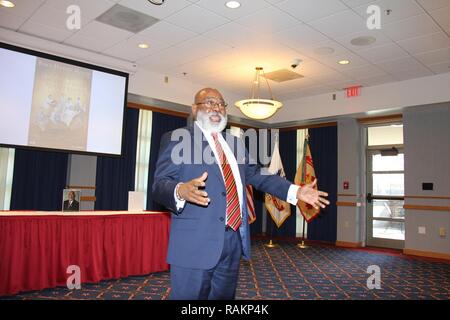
column 224, row 193
column 221, row 219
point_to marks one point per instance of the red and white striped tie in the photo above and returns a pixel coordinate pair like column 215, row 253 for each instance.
column 233, row 206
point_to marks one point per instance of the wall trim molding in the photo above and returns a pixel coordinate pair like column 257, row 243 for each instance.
column 381, row 119
column 88, row 198
column 426, row 197
column 346, row 244
column 426, row 207
column 81, row 187
column 346, row 204
column 428, row 254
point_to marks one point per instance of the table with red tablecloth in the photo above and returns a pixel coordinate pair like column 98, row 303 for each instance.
column 36, row 248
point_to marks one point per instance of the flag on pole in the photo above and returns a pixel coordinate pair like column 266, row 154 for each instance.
column 279, row 210
column 250, row 205
column 305, row 174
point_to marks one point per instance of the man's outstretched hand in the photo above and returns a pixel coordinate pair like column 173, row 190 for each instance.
column 316, row 198
column 190, row 192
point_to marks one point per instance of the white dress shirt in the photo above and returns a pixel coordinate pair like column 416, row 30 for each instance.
column 292, row 192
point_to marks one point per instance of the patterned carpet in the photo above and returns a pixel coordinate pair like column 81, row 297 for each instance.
column 287, row 272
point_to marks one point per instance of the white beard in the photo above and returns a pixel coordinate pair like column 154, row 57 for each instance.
column 208, row 125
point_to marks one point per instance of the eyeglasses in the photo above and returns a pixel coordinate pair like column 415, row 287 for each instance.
column 210, row 104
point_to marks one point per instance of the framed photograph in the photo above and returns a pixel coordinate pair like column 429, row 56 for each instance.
column 71, row 200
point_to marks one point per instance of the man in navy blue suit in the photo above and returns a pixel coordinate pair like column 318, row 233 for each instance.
column 209, row 229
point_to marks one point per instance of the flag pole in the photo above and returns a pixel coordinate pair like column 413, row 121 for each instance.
column 302, row 245
column 271, row 244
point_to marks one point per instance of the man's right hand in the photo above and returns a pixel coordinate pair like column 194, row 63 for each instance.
column 189, row 191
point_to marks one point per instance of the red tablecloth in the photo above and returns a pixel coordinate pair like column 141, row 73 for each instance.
column 36, row 251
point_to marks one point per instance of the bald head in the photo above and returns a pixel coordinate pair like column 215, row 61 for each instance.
column 207, row 93
column 209, row 108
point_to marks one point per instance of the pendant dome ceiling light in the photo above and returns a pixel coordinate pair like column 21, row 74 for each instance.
column 255, row 107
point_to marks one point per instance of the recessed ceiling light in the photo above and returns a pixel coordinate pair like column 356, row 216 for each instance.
column 363, row 41
column 233, row 4
column 7, row 4
column 323, row 51
column 143, row 45
column 344, row 62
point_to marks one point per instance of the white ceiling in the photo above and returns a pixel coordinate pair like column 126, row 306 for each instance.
column 221, row 47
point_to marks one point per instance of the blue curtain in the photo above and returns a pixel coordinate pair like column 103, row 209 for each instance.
column 323, row 144
column 288, row 153
column 39, row 178
column 115, row 175
column 162, row 123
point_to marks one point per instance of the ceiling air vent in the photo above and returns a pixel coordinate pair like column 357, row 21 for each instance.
column 283, row 75
column 126, row 19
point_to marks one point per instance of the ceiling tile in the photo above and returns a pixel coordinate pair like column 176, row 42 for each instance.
column 332, row 60
column 311, row 68
column 185, row 52
column 234, row 34
column 169, row 34
column 331, row 77
column 312, row 91
column 442, row 67
column 378, row 35
column 410, row 27
column 197, row 19
column 307, row 10
column 340, row 24
column 300, row 37
column 89, row 9
column 426, row 43
column 311, row 50
column 10, row 21
column 129, row 50
column 412, row 73
column 211, row 64
column 23, row 8
column 401, row 9
column 385, row 52
column 430, row 5
column 355, row 3
column 434, row 57
column 45, row 32
column 105, row 35
column 364, row 72
column 247, row 7
column 51, row 17
column 442, row 16
column 268, row 21
column 159, row 12
column 398, row 64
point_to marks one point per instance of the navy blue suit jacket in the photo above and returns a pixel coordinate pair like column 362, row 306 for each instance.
column 197, row 233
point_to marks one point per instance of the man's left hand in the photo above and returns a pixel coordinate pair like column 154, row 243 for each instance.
column 314, row 197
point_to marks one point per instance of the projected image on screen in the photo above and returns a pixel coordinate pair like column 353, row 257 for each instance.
column 55, row 103
column 60, row 106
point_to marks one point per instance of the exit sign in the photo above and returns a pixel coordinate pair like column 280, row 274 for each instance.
column 353, row 91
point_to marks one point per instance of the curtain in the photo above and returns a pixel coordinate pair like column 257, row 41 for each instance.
column 143, row 152
column 6, row 175
column 162, row 123
column 115, row 175
column 39, row 178
column 288, row 153
column 323, row 144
